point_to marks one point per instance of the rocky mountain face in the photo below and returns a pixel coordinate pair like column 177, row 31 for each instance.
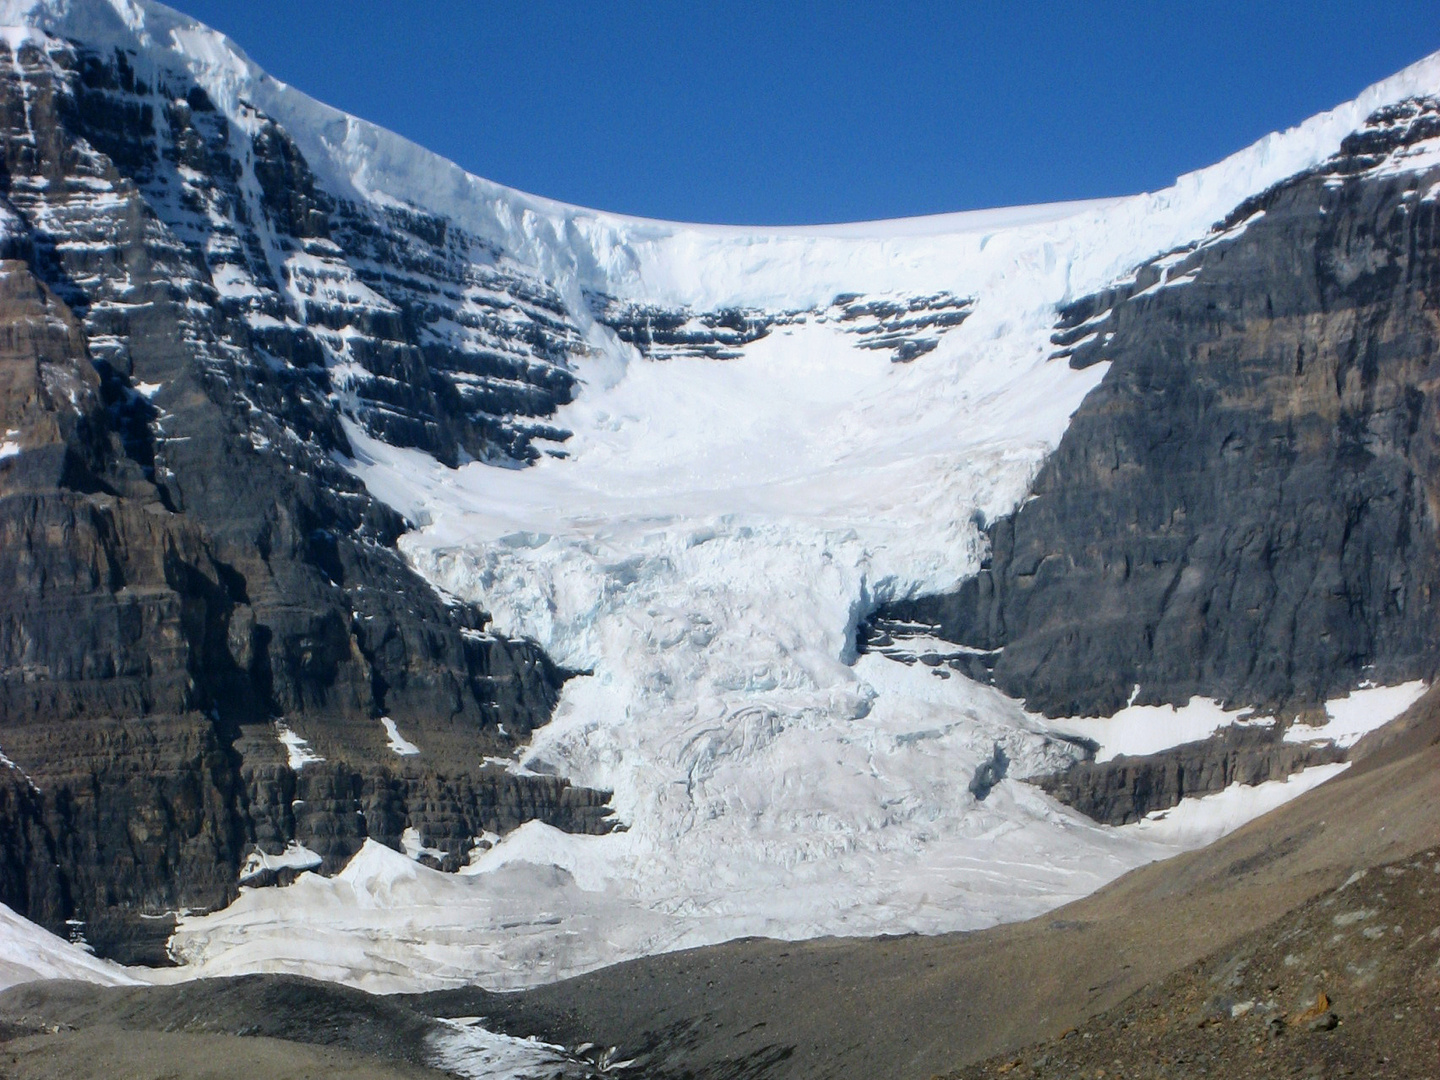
column 1246, row 507
column 906, row 327
column 216, row 668
column 187, row 572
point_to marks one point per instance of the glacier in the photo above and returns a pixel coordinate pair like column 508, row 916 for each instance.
column 703, row 546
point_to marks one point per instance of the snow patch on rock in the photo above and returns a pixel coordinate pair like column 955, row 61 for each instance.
column 1196, row 822
column 297, row 750
column 296, row 856
column 1149, row 729
column 1349, row 719
column 397, row 742
column 29, row 952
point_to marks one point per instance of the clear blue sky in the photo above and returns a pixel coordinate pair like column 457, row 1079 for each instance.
column 804, row 112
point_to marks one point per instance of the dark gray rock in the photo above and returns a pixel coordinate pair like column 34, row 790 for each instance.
column 1245, row 507
column 989, row 773
column 1127, row 788
column 907, row 328
column 183, row 562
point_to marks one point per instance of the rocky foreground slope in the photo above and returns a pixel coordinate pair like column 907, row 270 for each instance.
column 1347, row 985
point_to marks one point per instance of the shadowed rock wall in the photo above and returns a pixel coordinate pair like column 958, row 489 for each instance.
column 1246, row 506
column 183, row 564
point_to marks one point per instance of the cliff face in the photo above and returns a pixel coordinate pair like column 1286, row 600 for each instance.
column 1128, row 788
column 1246, row 507
column 186, row 573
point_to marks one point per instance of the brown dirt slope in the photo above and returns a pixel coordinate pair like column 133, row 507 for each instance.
column 1348, row 985
column 263, row 1026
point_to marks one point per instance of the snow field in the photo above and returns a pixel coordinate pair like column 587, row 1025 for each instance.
column 1197, row 822
column 1149, row 729
column 1349, row 719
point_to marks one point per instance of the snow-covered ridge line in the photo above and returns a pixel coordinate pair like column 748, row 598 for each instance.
column 718, row 265
column 644, row 259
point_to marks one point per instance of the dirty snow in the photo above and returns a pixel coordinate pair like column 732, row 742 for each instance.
column 465, row 1048
column 28, row 952
column 1351, row 718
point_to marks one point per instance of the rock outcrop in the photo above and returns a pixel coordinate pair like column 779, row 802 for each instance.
column 906, row 327
column 209, row 645
column 1125, row 789
column 1246, row 507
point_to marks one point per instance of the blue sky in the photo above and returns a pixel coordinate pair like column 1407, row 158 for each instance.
column 801, row 112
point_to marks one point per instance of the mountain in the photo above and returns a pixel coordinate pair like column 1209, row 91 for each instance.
column 1244, row 507
column 565, row 588
column 189, row 571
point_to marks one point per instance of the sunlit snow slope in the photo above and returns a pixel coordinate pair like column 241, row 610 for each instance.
column 704, row 548
column 29, row 952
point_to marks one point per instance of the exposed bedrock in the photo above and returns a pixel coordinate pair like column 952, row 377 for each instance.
column 907, row 327
column 186, row 573
column 1245, row 507
column 1127, row 788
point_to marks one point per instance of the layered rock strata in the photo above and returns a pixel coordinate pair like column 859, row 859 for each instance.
column 907, row 327
column 1245, row 508
column 209, row 646
column 1128, row 788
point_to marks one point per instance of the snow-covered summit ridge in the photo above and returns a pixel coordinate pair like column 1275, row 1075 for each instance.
column 697, row 265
